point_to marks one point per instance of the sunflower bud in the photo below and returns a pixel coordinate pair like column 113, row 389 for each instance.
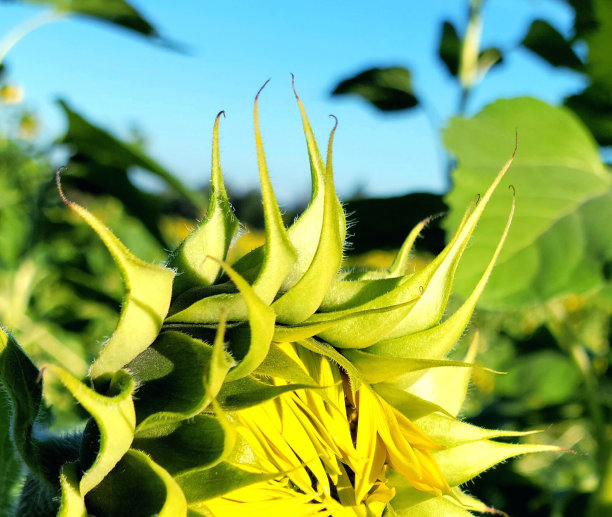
column 277, row 385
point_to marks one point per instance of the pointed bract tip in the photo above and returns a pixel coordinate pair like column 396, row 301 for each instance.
column 264, row 85
column 222, row 112
column 293, row 86
column 40, row 374
column 515, row 143
column 336, row 122
column 58, row 182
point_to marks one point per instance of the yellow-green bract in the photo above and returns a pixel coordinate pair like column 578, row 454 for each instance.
column 276, row 385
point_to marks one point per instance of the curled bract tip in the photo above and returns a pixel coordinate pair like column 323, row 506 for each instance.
column 511, row 187
column 263, row 86
column 40, row 374
column 336, row 122
column 222, row 112
column 515, row 143
column 293, row 86
column 58, row 182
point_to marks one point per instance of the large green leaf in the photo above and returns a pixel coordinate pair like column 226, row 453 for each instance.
column 389, row 89
column 557, row 237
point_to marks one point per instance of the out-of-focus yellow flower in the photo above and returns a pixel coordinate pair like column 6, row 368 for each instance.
column 11, row 94
column 28, row 126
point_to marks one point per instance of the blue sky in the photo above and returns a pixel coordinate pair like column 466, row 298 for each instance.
column 119, row 80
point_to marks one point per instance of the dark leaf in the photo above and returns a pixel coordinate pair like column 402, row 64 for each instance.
column 548, row 43
column 585, row 20
column 450, row 48
column 377, row 225
column 594, row 107
column 10, row 466
column 556, row 242
column 116, row 12
column 599, row 62
column 100, row 164
column 389, row 89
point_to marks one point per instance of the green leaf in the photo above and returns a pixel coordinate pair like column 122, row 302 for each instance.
column 100, row 162
column 585, row 18
column 540, row 379
column 114, row 416
column 389, row 89
column 199, row 442
column 148, row 289
column 548, row 43
column 10, row 466
column 449, row 49
column 21, row 379
column 375, row 224
column 594, row 107
column 557, row 174
column 599, row 63
column 203, row 484
column 138, row 487
column 212, row 238
column 117, row 12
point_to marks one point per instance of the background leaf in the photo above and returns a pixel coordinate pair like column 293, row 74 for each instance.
column 555, row 243
column 10, row 466
column 450, row 48
column 100, row 162
column 389, row 89
column 116, row 12
column 548, row 43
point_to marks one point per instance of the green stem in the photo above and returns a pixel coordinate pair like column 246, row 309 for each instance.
column 19, row 32
column 570, row 342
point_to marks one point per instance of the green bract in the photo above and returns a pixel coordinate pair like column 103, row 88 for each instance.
column 279, row 384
